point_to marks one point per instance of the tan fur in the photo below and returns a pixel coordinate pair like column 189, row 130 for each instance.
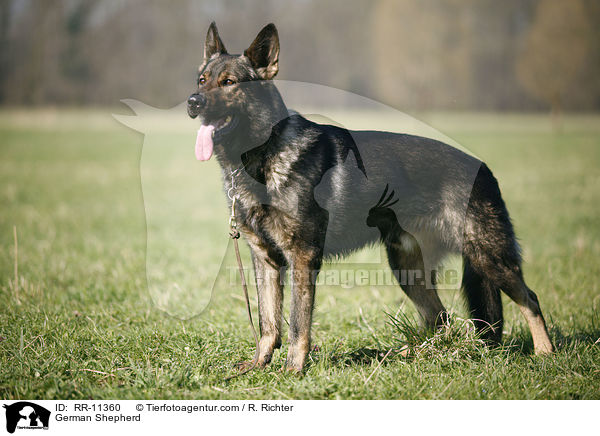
column 530, row 309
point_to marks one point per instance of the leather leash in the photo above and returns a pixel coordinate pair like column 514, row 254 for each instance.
column 234, row 233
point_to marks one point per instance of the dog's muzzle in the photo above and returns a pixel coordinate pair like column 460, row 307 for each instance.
column 195, row 104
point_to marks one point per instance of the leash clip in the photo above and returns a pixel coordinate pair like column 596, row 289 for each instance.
column 232, row 218
column 232, row 188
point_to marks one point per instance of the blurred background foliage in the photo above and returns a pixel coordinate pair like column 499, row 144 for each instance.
column 513, row 55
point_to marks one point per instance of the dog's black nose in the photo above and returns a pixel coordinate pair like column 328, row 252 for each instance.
column 196, row 100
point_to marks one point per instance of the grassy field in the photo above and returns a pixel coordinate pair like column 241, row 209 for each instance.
column 79, row 319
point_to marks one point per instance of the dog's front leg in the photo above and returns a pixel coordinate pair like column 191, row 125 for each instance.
column 304, row 270
column 269, row 286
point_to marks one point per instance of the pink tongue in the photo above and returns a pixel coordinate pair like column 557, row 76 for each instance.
column 204, row 142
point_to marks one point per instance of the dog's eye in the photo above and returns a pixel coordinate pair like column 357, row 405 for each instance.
column 201, row 81
column 227, row 82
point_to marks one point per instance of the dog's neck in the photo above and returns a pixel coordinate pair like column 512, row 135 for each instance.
column 251, row 171
column 262, row 137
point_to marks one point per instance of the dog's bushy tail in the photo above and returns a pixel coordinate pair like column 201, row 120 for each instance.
column 484, row 301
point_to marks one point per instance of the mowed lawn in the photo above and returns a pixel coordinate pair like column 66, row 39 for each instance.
column 78, row 318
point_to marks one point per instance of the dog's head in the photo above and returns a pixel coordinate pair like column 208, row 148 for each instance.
column 233, row 92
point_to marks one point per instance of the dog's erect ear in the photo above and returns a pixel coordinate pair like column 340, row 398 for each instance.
column 264, row 52
column 213, row 42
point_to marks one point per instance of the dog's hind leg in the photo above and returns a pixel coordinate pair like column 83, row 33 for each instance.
column 515, row 287
column 484, row 276
column 482, row 287
column 406, row 261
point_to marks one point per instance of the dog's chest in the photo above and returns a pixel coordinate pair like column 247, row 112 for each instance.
column 269, row 223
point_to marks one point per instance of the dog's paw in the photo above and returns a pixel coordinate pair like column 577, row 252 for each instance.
column 294, row 367
column 245, row 365
column 291, row 370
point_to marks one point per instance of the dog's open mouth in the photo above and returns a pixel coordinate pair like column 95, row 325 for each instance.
column 223, row 125
column 210, row 132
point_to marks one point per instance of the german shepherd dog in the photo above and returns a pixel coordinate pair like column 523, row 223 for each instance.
column 421, row 194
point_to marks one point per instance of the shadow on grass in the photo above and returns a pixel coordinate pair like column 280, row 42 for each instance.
column 456, row 340
column 360, row 356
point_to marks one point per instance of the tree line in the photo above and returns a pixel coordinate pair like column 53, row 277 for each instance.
column 411, row 54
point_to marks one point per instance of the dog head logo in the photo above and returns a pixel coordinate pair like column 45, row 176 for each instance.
column 26, row 415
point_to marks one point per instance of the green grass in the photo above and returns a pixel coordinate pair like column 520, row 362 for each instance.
column 81, row 322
